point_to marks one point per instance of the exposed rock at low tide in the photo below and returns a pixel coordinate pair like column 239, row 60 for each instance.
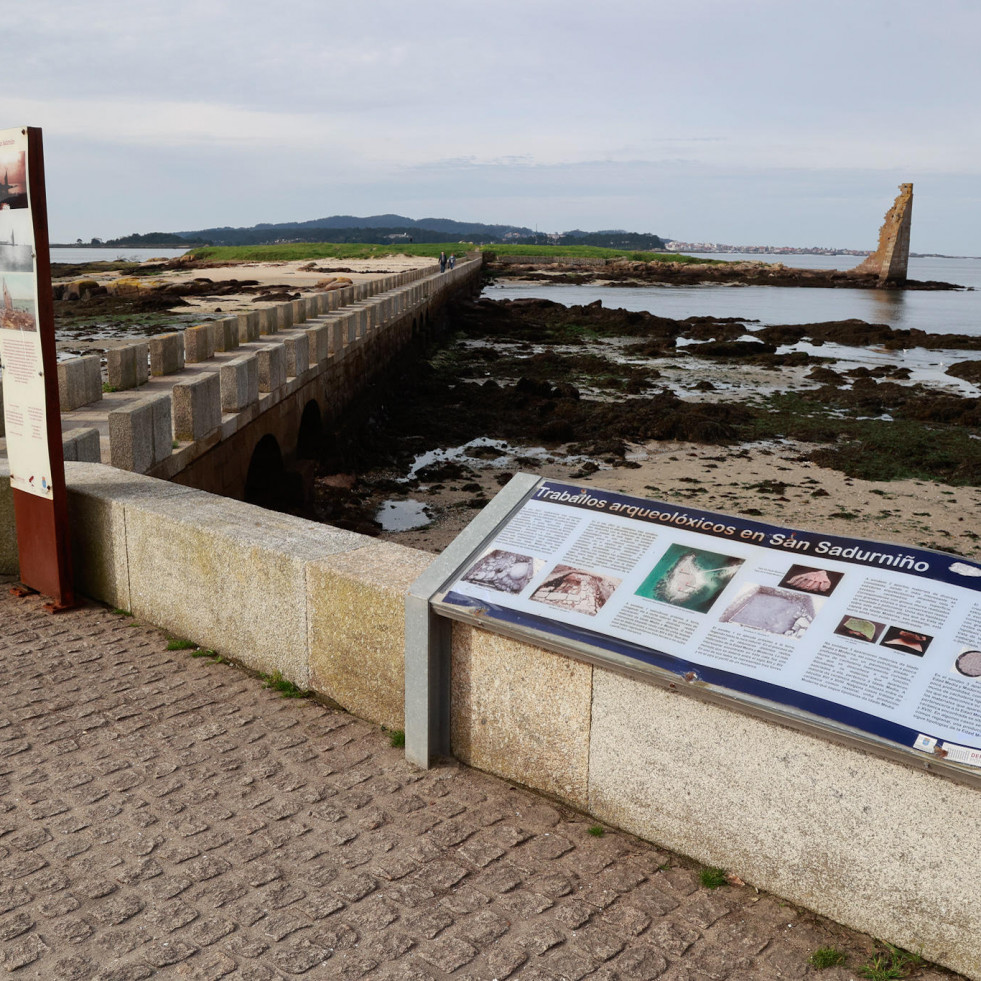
column 626, row 272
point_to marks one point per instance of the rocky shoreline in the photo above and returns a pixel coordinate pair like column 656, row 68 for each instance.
column 610, row 397
column 626, row 273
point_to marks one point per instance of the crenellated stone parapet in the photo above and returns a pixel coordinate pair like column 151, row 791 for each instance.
column 171, row 399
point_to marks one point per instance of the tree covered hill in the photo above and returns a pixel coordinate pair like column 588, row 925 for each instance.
column 385, row 230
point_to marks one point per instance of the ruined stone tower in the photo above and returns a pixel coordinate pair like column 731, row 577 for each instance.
column 890, row 259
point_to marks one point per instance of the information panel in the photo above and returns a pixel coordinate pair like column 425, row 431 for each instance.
column 25, row 413
column 880, row 638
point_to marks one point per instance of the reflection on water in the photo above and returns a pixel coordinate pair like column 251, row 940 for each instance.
column 890, row 304
column 402, row 515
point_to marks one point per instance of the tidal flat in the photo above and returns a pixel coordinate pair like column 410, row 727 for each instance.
column 781, row 422
column 700, row 411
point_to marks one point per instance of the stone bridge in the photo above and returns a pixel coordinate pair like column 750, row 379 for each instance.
column 220, row 406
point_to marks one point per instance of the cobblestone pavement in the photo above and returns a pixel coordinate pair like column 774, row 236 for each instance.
column 167, row 816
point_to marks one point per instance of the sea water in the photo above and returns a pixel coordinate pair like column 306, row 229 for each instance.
column 78, row 255
column 933, row 311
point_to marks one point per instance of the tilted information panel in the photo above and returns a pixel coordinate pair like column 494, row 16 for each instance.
column 872, row 638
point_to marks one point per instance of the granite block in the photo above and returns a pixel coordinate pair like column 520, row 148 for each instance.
column 197, row 407
column 521, row 712
column 319, row 339
column 248, row 327
column 239, row 383
column 140, row 434
column 82, row 445
column 166, row 354
column 128, row 367
column 297, row 354
column 199, row 343
column 79, row 382
column 272, row 367
column 355, row 605
column 226, row 334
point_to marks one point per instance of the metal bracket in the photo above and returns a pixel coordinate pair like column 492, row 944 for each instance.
column 428, row 636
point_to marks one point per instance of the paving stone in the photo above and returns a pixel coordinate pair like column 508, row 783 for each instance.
column 347, row 966
column 705, row 910
column 640, row 964
column 522, row 904
column 449, row 954
column 571, row 963
column 428, row 924
column 543, row 937
column 389, row 945
column 504, row 959
column 625, row 920
column 674, row 939
column 174, row 819
column 215, row 967
column 336, row 935
column 23, row 951
column 73, row 969
column 168, row 952
column 574, row 914
column 132, row 972
column 15, row 924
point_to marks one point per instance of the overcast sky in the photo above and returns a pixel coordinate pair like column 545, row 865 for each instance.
column 751, row 122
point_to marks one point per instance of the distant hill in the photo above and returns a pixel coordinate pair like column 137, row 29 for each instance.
column 350, row 228
column 385, row 229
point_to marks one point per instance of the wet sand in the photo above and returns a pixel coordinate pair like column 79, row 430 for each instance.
column 795, row 493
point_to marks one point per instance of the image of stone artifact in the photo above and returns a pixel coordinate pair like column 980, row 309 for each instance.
column 969, row 664
column 773, row 610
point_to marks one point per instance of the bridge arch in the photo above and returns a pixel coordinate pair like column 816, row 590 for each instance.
column 311, row 432
column 268, row 483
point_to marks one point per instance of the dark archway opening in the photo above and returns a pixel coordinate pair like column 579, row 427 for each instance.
column 311, row 435
column 268, row 483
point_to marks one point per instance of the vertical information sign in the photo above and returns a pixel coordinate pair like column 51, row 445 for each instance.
column 32, row 414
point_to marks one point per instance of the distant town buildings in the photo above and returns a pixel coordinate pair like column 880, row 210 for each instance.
column 675, row 246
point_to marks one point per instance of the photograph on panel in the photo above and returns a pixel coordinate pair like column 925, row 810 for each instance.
column 691, row 578
column 575, row 590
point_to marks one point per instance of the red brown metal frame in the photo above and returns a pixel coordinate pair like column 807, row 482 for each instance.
column 43, row 543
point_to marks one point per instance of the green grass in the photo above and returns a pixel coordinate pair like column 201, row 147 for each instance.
column 286, row 688
column 891, row 964
column 595, row 252
column 396, row 738
column 293, row 251
column 181, row 645
column 711, row 877
column 212, row 655
column 597, row 830
column 122, row 613
column 825, row 957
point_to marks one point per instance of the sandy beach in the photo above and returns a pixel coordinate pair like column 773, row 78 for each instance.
column 769, row 483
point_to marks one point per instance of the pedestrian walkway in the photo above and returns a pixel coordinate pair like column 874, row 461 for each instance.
column 166, row 815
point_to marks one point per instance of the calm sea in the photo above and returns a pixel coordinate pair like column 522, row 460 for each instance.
column 945, row 312
column 75, row 256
